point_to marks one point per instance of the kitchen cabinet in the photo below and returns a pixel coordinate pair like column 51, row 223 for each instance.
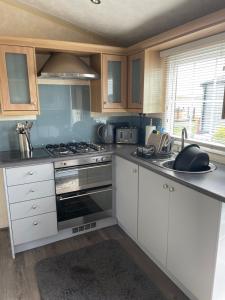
column 109, row 93
column 114, row 81
column 136, row 80
column 31, row 203
column 126, row 190
column 18, row 87
column 145, row 84
column 153, row 214
column 181, row 229
column 192, row 239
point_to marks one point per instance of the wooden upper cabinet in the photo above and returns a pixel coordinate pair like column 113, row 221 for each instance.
column 18, row 80
column 136, row 80
column 109, row 92
column 114, row 81
column 145, row 84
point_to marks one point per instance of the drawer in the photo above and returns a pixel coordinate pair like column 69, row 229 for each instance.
column 32, row 208
column 34, row 228
column 31, row 191
column 22, row 175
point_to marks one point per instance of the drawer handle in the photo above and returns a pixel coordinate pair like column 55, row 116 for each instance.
column 30, row 173
column 35, row 223
column 32, row 191
column 34, row 206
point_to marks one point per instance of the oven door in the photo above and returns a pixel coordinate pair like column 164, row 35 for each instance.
column 84, row 206
column 82, row 177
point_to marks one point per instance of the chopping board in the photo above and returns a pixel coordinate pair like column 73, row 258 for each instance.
column 158, row 140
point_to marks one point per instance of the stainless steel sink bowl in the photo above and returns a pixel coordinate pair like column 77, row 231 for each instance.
column 168, row 164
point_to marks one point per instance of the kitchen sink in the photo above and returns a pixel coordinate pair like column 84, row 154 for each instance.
column 168, row 164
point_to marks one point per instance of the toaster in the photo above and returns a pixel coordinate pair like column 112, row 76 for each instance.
column 127, row 135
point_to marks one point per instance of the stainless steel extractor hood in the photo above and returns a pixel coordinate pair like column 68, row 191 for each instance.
column 67, row 66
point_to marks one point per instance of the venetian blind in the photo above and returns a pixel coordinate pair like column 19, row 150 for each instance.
column 195, row 81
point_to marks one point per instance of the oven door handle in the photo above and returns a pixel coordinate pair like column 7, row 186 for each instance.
column 82, row 168
column 81, row 195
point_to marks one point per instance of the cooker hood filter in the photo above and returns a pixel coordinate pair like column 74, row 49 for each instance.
column 67, row 66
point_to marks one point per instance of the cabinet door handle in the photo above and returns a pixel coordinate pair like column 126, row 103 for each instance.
column 30, row 173
column 32, row 191
column 171, row 189
column 35, row 223
column 34, row 206
column 165, row 186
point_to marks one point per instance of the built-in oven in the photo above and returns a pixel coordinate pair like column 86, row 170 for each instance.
column 83, row 191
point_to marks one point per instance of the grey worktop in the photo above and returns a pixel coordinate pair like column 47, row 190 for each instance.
column 11, row 159
column 211, row 184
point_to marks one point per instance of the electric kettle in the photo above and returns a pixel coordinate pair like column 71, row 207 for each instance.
column 106, row 133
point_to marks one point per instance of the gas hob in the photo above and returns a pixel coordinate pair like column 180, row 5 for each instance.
column 60, row 150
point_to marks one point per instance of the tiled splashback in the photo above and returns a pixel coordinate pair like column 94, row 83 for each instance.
column 65, row 116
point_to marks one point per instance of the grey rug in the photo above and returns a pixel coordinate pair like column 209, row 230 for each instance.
column 100, row 272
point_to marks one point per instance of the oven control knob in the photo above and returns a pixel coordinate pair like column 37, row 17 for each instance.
column 103, row 159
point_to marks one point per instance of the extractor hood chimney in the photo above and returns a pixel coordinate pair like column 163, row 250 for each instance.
column 67, row 66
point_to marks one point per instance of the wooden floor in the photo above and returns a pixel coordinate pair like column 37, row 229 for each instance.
column 17, row 277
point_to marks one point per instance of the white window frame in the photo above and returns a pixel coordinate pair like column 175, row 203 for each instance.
column 211, row 147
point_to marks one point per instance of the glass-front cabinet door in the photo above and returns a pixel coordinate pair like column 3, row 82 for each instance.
column 114, row 81
column 18, row 79
column 135, row 80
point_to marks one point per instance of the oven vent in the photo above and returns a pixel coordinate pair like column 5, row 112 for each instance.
column 84, row 227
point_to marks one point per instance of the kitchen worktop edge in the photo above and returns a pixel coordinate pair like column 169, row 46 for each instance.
column 211, row 184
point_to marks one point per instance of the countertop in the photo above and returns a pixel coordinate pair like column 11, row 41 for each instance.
column 211, row 184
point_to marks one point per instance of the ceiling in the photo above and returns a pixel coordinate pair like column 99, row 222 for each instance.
column 126, row 22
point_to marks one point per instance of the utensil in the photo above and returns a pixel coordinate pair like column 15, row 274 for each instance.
column 23, row 130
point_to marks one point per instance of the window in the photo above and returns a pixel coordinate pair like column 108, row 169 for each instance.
column 195, row 93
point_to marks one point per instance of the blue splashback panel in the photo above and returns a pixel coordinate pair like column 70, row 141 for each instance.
column 65, row 116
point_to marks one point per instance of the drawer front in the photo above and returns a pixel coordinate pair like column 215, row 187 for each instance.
column 34, row 228
column 32, row 208
column 29, row 174
column 31, row 191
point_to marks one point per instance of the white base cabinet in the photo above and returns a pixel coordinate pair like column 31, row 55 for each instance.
column 153, row 214
column 126, row 190
column 34, row 228
column 192, row 239
column 181, row 229
column 30, row 195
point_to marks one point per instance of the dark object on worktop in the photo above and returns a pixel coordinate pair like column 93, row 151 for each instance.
column 149, row 152
column 191, row 159
column 102, row 271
